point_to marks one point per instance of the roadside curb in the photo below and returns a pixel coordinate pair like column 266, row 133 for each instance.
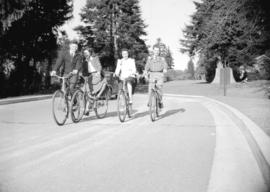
column 9, row 101
column 257, row 141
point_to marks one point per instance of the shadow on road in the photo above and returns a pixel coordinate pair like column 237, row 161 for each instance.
column 171, row 112
column 201, row 82
column 110, row 114
column 166, row 114
column 141, row 114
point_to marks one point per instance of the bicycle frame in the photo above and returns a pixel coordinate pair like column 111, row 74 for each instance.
column 156, row 88
column 124, row 88
column 64, row 82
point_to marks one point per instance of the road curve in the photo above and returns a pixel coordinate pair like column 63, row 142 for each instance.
column 194, row 146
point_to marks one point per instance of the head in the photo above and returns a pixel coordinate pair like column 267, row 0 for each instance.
column 124, row 53
column 73, row 48
column 88, row 53
column 156, row 50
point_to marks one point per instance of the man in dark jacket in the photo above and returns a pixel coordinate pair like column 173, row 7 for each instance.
column 70, row 61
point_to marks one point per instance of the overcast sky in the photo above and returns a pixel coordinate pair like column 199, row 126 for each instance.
column 164, row 18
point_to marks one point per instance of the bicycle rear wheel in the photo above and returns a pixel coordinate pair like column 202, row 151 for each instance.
column 77, row 106
column 60, row 107
column 101, row 106
column 153, row 106
column 122, row 105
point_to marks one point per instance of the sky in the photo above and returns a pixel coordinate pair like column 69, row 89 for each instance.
column 165, row 19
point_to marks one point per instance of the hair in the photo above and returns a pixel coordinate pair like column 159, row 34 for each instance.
column 155, row 46
column 91, row 51
column 124, row 49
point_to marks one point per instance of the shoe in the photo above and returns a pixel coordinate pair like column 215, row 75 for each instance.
column 86, row 113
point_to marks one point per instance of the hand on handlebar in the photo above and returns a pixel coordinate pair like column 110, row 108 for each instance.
column 74, row 72
column 53, row 73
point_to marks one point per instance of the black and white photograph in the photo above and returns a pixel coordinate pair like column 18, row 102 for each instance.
column 134, row 96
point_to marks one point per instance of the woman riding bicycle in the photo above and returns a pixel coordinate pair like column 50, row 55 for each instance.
column 126, row 71
column 91, row 65
column 156, row 66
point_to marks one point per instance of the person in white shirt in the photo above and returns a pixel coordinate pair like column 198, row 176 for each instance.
column 126, row 71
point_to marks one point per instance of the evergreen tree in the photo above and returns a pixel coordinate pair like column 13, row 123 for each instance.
column 236, row 30
column 191, row 69
column 165, row 52
column 110, row 25
column 10, row 11
column 31, row 38
column 169, row 59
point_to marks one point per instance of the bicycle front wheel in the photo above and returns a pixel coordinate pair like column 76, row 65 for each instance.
column 122, row 105
column 60, row 107
column 101, row 106
column 153, row 106
column 77, row 106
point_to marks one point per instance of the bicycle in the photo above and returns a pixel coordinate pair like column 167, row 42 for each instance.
column 61, row 99
column 123, row 102
column 82, row 96
column 154, row 102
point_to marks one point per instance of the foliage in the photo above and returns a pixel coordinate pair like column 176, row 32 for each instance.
column 10, row 11
column 29, row 38
column 165, row 52
column 110, row 25
column 236, row 30
column 191, row 69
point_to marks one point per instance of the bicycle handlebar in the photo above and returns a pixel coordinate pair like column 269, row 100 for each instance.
column 63, row 77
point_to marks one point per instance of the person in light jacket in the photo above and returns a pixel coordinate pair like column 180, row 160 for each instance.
column 126, row 71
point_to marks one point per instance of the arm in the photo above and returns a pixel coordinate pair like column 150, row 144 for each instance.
column 147, row 66
column 133, row 67
column 97, row 64
column 59, row 60
column 78, row 62
column 118, row 68
column 165, row 66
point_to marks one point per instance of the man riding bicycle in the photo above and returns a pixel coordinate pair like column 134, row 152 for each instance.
column 156, row 66
column 126, row 71
column 70, row 61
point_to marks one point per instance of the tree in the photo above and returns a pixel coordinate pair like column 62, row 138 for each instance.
column 10, row 11
column 110, row 25
column 169, row 59
column 31, row 37
column 235, row 30
column 165, row 52
column 191, row 69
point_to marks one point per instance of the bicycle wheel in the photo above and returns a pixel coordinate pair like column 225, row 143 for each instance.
column 122, row 105
column 60, row 107
column 153, row 108
column 101, row 105
column 77, row 106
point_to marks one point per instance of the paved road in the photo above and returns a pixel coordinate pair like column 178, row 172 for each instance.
column 182, row 151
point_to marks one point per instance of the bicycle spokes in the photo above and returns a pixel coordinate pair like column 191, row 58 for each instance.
column 60, row 107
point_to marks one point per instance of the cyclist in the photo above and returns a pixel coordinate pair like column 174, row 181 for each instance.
column 156, row 66
column 97, row 83
column 126, row 71
column 69, row 59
